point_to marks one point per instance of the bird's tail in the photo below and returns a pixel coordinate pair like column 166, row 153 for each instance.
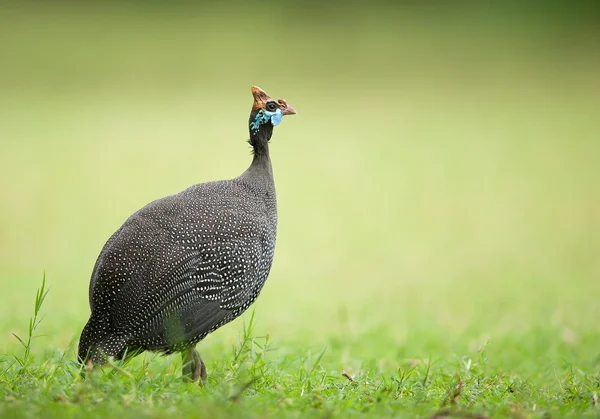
column 98, row 342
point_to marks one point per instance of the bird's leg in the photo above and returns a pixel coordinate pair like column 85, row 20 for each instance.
column 193, row 366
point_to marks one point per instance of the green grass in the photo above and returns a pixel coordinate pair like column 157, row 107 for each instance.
column 255, row 378
column 439, row 209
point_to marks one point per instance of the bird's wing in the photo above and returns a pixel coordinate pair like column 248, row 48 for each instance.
column 164, row 305
column 187, row 302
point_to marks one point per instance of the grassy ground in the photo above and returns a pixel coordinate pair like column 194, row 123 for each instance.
column 438, row 196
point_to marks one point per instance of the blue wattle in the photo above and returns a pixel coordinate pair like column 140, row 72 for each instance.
column 275, row 116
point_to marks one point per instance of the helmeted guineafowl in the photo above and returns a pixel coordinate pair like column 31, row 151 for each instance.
column 186, row 264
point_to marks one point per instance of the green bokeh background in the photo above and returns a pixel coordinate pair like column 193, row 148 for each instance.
column 440, row 185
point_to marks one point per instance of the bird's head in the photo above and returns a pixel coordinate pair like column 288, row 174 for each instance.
column 267, row 112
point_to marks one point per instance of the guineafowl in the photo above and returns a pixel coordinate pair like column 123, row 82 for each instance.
column 187, row 264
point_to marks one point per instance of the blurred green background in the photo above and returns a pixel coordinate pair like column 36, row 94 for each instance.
column 439, row 186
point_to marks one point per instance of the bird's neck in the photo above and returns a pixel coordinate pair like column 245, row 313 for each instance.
column 259, row 140
column 261, row 169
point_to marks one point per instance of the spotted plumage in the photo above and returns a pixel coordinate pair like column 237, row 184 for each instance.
column 186, row 264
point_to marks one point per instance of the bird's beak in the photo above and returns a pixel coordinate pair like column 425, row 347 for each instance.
column 286, row 109
column 289, row 110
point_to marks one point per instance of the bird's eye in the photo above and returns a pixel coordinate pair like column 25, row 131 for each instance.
column 271, row 106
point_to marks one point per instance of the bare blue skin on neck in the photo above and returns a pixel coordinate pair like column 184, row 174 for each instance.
column 262, row 117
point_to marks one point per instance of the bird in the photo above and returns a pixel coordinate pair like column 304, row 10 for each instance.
column 186, row 264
